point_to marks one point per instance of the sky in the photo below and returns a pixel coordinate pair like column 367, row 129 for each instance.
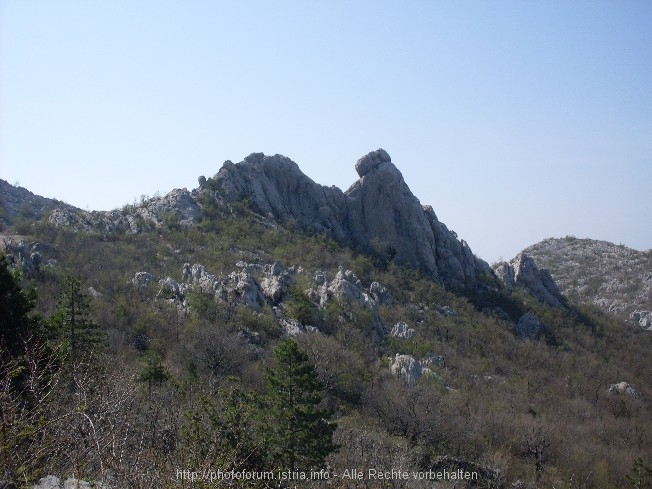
column 517, row 121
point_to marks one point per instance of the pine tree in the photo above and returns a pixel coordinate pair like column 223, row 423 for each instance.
column 153, row 371
column 72, row 319
column 79, row 336
column 16, row 326
column 299, row 435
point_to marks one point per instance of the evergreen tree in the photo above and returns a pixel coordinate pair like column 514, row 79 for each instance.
column 72, row 319
column 77, row 332
column 299, row 435
column 153, row 371
column 16, row 326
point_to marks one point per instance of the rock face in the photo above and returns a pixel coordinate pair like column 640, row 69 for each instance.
column 613, row 277
column 642, row 318
column 28, row 257
column 275, row 187
column 377, row 213
column 522, row 272
column 624, row 388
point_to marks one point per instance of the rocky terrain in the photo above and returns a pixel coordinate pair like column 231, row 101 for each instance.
column 18, row 203
column 613, row 277
column 426, row 358
column 378, row 214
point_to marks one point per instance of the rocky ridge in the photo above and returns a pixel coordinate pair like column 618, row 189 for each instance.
column 613, row 277
column 378, row 214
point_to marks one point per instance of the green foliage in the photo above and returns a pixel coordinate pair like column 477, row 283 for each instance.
column 640, row 476
column 72, row 320
column 153, row 371
column 223, row 431
column 297, row 431
column 301, row 308
column 16, row 326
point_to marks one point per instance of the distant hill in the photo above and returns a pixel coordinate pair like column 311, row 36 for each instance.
column 614, row 277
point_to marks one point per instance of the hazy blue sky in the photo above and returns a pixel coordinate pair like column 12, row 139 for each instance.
column 516, row 121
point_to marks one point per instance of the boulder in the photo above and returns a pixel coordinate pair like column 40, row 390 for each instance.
column 403, row 331
column 642, row 318
column 406, row 368
column 625, row 389
column 528, row 326
column 142, row 279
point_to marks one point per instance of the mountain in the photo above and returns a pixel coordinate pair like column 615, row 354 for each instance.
column 613, row 277
column 424, row 359
column 378, row 214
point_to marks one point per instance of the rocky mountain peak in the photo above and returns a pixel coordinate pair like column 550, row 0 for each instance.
column 377, row 214
column 371, row 160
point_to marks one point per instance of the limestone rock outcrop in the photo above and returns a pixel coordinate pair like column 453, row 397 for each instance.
column 410, row 370
column 28, row 257
column 275, row 187
column 378, row 214
column 624, row 388
column 176, row 207
column 642, row 318
column 377, row 211
column 403, row 331
column 523, row 272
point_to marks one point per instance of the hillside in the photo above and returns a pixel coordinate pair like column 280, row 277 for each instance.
column 426, row 367
column 613, row 277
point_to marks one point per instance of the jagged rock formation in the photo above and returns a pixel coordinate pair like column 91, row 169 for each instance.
column 624, row 388
column 403, row 331
column 28, row 257
column 178, row 206
column 410, row 370
column 522, row 272
column 613, row 277
column 407, row 368
column 378, row 213
column 254, row 285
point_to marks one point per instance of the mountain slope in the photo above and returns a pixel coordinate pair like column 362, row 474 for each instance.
column 205, row 283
